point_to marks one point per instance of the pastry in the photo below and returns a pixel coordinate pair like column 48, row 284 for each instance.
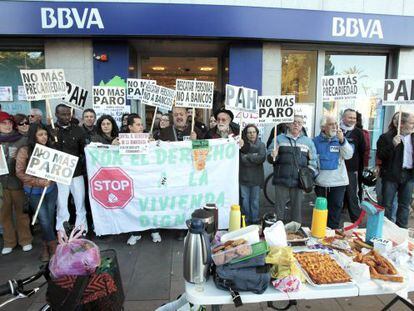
column 379, row 267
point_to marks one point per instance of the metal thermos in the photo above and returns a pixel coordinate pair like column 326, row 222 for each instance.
column 212, row 208
column 197, row 252
column 207, row 217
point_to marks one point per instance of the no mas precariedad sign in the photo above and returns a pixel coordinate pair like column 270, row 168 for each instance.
column 194, row 94
column 44, row 84
column 339, row 87
column 276, row 109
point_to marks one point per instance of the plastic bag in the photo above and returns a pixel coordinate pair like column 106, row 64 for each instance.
column 276, row 234
column 74, row 256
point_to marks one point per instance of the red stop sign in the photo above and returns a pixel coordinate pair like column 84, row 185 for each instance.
column 112, row 188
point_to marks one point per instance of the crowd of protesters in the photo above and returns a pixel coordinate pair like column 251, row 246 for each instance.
column 336, row 157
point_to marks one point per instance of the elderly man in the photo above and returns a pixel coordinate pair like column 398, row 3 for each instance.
column 293, row 150
column 333, row 149
column 225, row 126
column 35, row 115
column 397, row 173
column 180, row 130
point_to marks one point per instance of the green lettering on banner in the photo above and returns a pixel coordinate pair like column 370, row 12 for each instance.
column 94, row 153
column 163, row 203
column 172, row 156
column 144, row 220
column 198, row 178
column 160, row 156
column 196, row 201
column 185, row 155
column 216, row 153
column 230, row 151
column 182, row 202
column 138, row 159
column 143, row 204
column 209, row 197
column 116, row 158
column 166, row 221
column 180, row 219
column 220, row 200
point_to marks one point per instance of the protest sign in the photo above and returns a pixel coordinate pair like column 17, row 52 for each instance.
column 109, row 97
column 75, row 96
column 194, row 94
column 52, row 164
column 306, row 110
column 133, row 143
column 115, row 113
column 158, row 96
column 135, row 87
column 398, row 91
column 4, row 169
column 6, row 94
column 160, row 189
column 21, row 93
column 241, row 98
column 44, row 84
column 339, row 87
column 276, row 109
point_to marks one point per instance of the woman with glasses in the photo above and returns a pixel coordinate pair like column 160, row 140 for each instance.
column 22, row 123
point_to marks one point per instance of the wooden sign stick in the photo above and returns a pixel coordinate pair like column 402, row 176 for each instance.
column 49, row 111
column 39, row 205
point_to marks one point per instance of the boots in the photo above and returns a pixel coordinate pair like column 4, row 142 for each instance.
column 52, row 247
column 44, row 257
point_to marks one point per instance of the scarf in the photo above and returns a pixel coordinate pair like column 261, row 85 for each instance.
column 346, row 128
column 10, row 138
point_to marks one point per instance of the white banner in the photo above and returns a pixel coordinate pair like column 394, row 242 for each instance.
column 21, row 93
column 6, row 94
column 75, row 96
column 135, row 87
column 276, row 109
column 133, row 143
column 306, row 110
column 52, row 164
column 109, row 97
column 158, row 96
column 194, row 94
column 398, row 92
column 44, row 84
column 241, row 98
column 4, row 169
column 342, row 87
column 161, row 189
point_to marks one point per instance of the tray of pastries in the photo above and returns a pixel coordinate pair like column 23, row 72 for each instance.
column 321, row 269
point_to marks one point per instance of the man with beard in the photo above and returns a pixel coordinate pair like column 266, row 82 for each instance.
column 180, row 130
column 225, row 126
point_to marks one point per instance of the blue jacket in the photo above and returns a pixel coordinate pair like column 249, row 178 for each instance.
column 328, row 151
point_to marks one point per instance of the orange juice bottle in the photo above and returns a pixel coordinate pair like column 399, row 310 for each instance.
column 319, row 218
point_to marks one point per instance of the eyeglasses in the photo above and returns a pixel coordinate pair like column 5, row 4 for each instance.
column 24, row 123
column 31, row 115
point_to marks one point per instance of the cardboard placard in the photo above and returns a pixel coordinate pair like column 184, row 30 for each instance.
column 44, row 84
column 194, row 94
column 276, row 109
column 341, row 87
column 75, row 96
column 158, row 96
column 4, row 169
column 21, row 93
column 109, row 97
column 135, row 87
column 6, row 94
column 398, row 92
column 241, row 98
column 133, row 143
column 52, row 164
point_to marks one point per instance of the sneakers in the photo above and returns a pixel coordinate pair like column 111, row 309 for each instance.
column 133, row 239
column 6, row 250
column 27, row 248
column 156, row 238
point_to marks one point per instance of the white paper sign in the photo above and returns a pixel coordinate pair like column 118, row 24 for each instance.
column 133, row 143
column 115, row 113
column 135, row 87
column 52, row 164
column 241, row 98
column 397, row 92
column 6, row 94
column 339, row 87
column 158, row 96
column 21, row 93
column 44, row 83
column 194, row 94
column 276, row 109
column 306, row 110
column 75, row 96
column 109, row 97
column 4, row 169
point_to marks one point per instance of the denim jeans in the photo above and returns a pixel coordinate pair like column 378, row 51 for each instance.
column 46, row 213
column 404, row 192
column 250, row 196
column 335, row 197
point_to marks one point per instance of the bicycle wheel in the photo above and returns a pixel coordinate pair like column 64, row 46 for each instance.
column 371, row 193
column 269, row 189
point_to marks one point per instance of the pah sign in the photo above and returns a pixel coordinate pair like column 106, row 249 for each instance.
column 241, row 98
column 276, row 109
column 398, row 92
column 76, row 96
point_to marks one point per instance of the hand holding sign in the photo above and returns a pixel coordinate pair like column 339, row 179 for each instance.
column 396, row 140
column 340, row 135
column 275, row 152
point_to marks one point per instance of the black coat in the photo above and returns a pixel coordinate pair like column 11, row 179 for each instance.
column 251, row 164
column 357, row 140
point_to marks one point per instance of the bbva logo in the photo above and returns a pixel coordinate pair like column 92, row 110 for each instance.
column 66, row 18
column 354, row 27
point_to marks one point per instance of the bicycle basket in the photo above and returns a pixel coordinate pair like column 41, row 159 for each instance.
column 368, row 178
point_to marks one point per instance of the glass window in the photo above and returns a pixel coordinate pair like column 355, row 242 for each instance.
column 10, row 64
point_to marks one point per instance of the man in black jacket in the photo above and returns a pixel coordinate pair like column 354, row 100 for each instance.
column 396, row 153
column 354, row 165
column 88, row 126
column 70, row 139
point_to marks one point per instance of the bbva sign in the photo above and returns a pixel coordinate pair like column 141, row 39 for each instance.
column 354, row 27
column 66, row 18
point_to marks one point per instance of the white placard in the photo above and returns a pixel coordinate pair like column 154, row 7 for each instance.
column 398, row 92
column 44, row 83
column 115, row 113
column 4, row 169
column 76, row 96
column 6, row 94
column 158, row 96
column 133, row 143
column 276, row 109
column 52, row 164
column 306, row 110
column 135, row 87
column 194, row 94
column 109, row 97
column 241, row 98
column 21, row 93
column 341, row 87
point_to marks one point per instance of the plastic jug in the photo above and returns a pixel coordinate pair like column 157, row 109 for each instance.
column 375, row 220
column 235, row 217
column 320, row 218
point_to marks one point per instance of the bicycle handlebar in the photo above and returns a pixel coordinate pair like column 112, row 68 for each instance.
column 6, row 288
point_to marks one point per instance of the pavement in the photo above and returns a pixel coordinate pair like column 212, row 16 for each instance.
column 152, row 273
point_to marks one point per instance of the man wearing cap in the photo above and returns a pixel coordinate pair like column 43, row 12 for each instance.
column 225, row 126
column 13, row 194
column 180, row 130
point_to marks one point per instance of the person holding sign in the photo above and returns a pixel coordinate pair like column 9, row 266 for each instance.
column 33, row 187
column 180, row 130
column 13, row 195
column 106, row 131
column 225, row 126
column 293, row 151
column 397, row 170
